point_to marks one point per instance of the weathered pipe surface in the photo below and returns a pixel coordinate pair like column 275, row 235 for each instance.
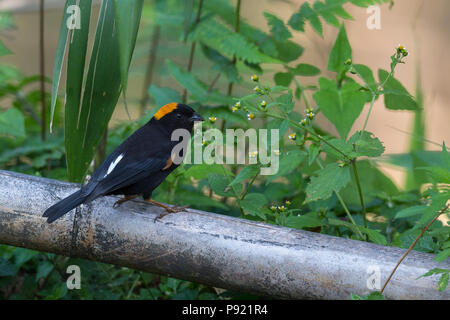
column 207, row 248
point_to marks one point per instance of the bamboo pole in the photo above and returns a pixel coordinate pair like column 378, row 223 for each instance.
column 208, row 248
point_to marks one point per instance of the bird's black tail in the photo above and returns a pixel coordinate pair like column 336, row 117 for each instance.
column 65, row 205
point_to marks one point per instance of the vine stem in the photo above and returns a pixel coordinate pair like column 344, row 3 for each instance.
column 249, row 185
column 361, row 198
column 236, row 29
column 192, row 53
column 341, row 201
column 413, row 245
column 370, row 111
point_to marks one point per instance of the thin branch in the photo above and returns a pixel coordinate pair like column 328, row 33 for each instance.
column 361, row 198
column 236, row 29
column 150, row 67
column 413, row 245
column 192, row 53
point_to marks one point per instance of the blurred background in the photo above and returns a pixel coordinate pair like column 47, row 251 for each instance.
column 421, row 26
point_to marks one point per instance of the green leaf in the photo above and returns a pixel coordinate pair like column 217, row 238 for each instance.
column 342, row 107
column 22, row 255
column 87, row 120
column 366, row 75
column 288, row 162
column 372, row 296
column 308, row 220
column 288, row 51
column 341, row 52
column 410, row 212
column 253, row 203
column 7, row 269
column 245, row 174
column 277, row 27
column 198, row 200
column 201, row 171
column 297, row 20
column 61, row 50
column 443, row 281
column 283, row 78
column 329, row 179
column 196, row 88
column 445, row 157
column 366, row 144
column 438, row 174
column 374, row 235
column 44, row 268
column 127, row 16
column 219, row 184
column 443, row 255
column 313, row 153
column 163, row 95
column 396, row 97
column 222, row 64
column 12, row 123
column 4, row 50
column 286, row 102
column 226, row 114
column 215, row 35
column 305, row 70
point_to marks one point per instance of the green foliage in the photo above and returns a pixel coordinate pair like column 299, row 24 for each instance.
column 325, row 182
column 372, row 296
column 12, row 123
column 329, row 179
column 341, row 52
column 396, row 97
column 127, row 17
column 330, row 11
column 342, row 106
column 277, row 28
column 443, row 280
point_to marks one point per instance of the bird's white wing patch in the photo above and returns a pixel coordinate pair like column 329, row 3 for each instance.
column 114, row 164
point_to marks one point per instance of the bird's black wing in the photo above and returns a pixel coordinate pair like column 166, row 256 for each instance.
column 126, row 172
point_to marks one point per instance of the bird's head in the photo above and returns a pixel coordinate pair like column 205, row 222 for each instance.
column 177, row 116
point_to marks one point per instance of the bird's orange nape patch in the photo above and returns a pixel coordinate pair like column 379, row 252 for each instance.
column 168, row 108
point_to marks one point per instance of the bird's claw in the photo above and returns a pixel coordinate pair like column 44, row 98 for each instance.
column 169, row 210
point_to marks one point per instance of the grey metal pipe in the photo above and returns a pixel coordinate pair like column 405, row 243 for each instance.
column 208, row 248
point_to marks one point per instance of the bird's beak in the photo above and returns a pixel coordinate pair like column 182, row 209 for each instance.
column 197, row 117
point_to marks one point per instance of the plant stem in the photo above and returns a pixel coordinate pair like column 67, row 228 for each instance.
column 413, row 245
column 192, row 53
column 150, row 68
column 302, row 92
column 249, row 185
column 310, row 132
column 341, row 201
column 213, row 83
column 361, row 198
column 236, row 29
column 370, row 110
column 42, row 68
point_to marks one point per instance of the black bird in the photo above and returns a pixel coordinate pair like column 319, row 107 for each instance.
column 138, row 165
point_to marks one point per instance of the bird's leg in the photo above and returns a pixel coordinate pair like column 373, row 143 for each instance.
column 124, row 199
column 168, row 209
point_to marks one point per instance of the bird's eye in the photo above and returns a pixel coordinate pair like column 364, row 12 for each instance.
column 178, row 115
